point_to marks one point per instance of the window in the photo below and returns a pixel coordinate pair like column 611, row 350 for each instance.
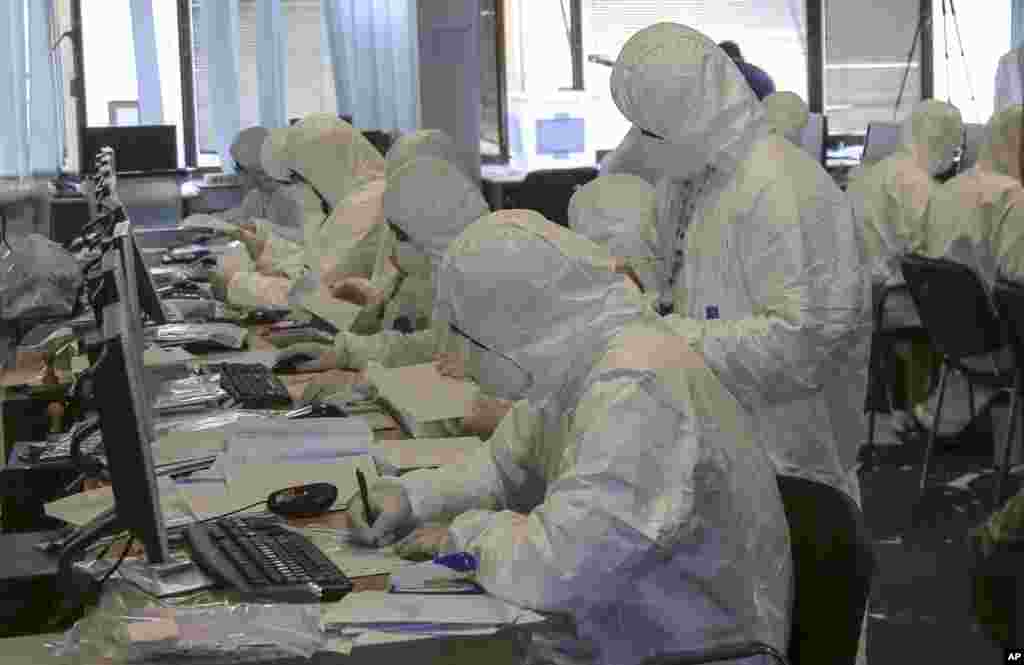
column 865, row 61
column 984, row 36
column 493, row 138
column 771, row 34
column 310, row 79
column 123, row 113
column 110, row 64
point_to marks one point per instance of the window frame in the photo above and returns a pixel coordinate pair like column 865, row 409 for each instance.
column 503, row 155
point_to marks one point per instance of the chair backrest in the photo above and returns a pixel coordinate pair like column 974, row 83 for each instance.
column 833, row 564
column 1009, row 300
column 882, row 139
column 954, row 307
column 548, row 192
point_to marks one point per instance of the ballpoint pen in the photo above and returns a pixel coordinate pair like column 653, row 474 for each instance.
column 364, row 493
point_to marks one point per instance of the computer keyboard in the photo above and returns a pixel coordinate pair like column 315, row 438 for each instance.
column 261, row 558
column 253, row 385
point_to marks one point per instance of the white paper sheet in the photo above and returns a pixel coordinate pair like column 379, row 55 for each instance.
column 406, row 454
column 379, row 607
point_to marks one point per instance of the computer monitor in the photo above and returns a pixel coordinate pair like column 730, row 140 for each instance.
column 143, row 298
column 125, row 410
column 139, row 148
column 882, row 140
column 560, row 136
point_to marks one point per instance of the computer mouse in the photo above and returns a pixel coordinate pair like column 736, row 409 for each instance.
column 290, row 363
column 303, row 500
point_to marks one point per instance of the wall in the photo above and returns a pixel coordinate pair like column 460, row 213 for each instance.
column 449, row 52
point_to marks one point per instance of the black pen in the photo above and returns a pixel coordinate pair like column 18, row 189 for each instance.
column 365, row 494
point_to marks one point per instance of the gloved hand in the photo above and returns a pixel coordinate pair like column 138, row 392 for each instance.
column 392, row 509
column 254, row 239
column 425, row 543
column 486, row 412
column 358, row 291
column 324, row 357
column 326, row 389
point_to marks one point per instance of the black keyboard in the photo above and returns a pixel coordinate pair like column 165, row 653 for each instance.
column 253, row 385
column 261, row 558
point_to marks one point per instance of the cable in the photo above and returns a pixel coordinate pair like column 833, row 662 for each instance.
column 945, row 43
column 120, row 560
column 963, row 56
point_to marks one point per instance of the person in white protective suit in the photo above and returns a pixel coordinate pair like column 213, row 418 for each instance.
column 340, row 177
column 788, row 114
column 891, row 199
column 765, row 263
column 428, row 202
column 625, row 493
column 977, row 219
column 619, row 213
column 266, row 200
column 381, row 290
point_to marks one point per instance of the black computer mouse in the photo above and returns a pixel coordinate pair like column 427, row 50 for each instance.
column 303, row 501
column 290, row 363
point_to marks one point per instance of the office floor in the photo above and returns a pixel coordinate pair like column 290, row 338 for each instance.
column 920, row 603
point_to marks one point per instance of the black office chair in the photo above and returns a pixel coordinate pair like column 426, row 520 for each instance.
column 833, row 564
column 879, row 398
column 963, row 325
column 1009, row 301
column 548, row 192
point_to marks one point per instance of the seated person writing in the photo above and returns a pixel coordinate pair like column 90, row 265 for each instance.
column 625, row 493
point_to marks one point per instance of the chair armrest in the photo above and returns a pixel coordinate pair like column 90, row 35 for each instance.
column 719, row 654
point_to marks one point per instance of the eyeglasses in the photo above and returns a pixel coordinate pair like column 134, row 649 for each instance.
column 651, row 135
column 455, row 329
column 297, row 177
column 401, row 235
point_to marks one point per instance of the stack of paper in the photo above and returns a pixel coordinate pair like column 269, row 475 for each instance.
column 421, row 614
column 82, row 508
column 420, row 394
column 408, row 454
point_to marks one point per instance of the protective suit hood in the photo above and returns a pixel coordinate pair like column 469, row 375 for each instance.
column 931, row 135
column 619, row 213
column 1000, row 151
column 332, row 155
column 272, row 153
column 432, row 201
column 674, row 82
column 787, row 113
column 247, row 146
column 423, row 143
column 536, row 294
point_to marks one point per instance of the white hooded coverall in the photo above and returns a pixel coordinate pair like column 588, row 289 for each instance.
column 626, row 493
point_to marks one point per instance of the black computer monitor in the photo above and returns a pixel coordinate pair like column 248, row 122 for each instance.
column 138, row 148
column 143, row 298
column 121, row 397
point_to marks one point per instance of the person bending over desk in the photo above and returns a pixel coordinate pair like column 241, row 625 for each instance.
column 625, row 492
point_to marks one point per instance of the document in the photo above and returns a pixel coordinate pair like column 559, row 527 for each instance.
column 178, row 446
column 82, row 508
column 407, row 454
column 421, row 394
column 254, row 482
column 339, row 313
column 377, row 609
column 279, row 439
column 429, row 577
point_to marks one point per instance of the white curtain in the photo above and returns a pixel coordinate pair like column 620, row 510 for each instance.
column 374, row 54
column 219, row 39
column 31, row 138
column 272, row 63
column 147, row 68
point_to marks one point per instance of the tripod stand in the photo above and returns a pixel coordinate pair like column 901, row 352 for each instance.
column 921, row 25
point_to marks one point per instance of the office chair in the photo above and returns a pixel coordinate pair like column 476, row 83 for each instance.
column 879, row 398
column 548, row 192
column 963, row 325
column 833, row 564
column 1009, row 301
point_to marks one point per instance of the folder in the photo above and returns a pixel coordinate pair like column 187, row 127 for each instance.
column 420, row 394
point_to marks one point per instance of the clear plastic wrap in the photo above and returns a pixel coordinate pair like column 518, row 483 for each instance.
column 227, row 335
column 39, row 279
column 168, row 423
column 189, row 394
column 194, row 310
column 130, row 626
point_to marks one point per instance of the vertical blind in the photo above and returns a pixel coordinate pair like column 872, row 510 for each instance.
column 309, row 79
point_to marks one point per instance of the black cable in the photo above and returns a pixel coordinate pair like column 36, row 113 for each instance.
column 963, row 55
column 120, row 560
